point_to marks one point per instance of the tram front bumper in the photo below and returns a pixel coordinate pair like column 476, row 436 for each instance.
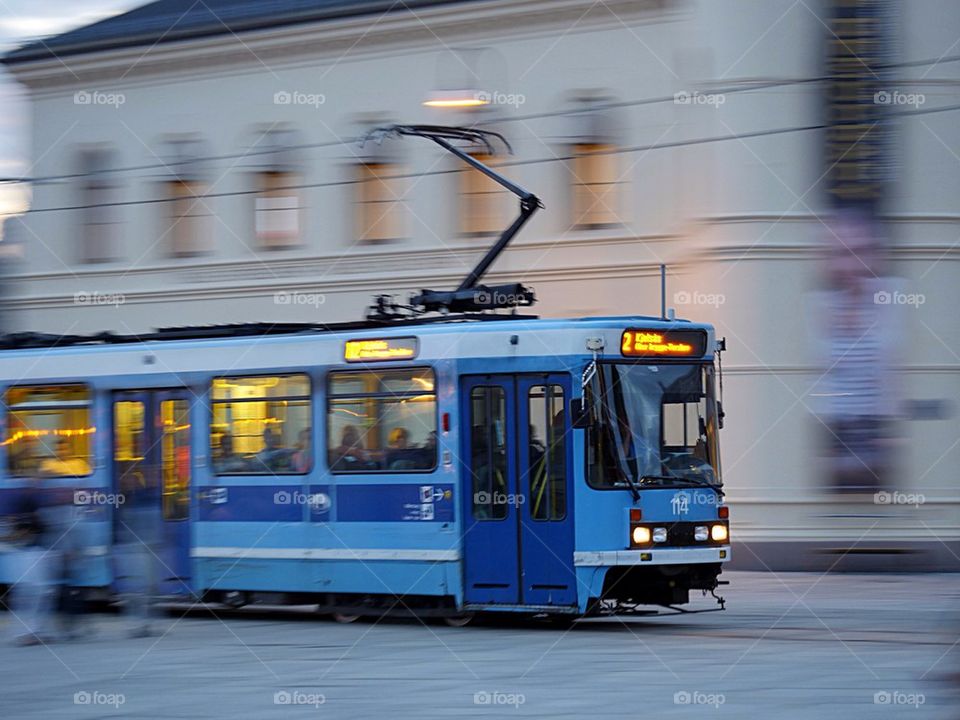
column 653, row 556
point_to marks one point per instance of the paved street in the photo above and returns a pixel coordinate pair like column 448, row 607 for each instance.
column 793, row 646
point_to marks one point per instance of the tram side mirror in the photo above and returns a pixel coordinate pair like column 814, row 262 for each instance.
column 579, row 413
column 720, row 415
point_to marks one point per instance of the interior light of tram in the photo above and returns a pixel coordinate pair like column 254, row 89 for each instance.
column 65, row 432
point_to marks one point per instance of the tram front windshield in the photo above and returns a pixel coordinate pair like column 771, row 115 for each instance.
column 652, row 424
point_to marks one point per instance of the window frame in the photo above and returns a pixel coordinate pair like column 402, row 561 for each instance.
column 185, row 218
column 565, row 447
column 313, row 435
column 583, row 152
column 278, row 184
column 179, row 511
column 367, row 173
column 505, row 392
column 353, row 370
column 473, row 184
column 91, row 410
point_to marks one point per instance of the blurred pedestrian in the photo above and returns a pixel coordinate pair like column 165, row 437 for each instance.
column 138, row 527
column 32, row 595
column 67, row 545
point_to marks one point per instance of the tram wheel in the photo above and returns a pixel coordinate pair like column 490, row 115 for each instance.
column 343, row 618
column 459, row 620
column 235, row 600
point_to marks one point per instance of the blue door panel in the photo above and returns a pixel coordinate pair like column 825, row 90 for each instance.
column 546, row 484
column 491, row 552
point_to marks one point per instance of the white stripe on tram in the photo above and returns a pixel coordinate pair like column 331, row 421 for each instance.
column 240, row 553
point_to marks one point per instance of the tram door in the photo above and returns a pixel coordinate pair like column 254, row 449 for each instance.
column 152, row 477
column 518, row 495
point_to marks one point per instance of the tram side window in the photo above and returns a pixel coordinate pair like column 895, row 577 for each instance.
column 488, row 457
column 261, row 425
column 546, row 474
column 49, row 431
column 384, row 421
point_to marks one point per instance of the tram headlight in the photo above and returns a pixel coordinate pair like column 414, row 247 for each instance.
column 659, row 535
column 701, row 533
column 640, row 535
column 719, row 533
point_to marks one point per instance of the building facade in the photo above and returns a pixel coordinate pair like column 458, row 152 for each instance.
column 205, row 168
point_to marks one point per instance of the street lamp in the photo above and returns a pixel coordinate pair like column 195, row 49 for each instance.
column 457, row 98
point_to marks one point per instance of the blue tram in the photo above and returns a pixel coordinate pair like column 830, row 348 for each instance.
column 438, row 463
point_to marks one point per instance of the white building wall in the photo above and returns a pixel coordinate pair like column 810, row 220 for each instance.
column 737, row 217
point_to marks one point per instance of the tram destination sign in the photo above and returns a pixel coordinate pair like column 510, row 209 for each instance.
column 379, row 349
column 643, row 342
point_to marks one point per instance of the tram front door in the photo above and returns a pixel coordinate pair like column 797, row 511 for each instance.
column 516, row 461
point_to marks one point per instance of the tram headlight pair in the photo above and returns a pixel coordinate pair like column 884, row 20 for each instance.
column 641, row 535
column 716, row 533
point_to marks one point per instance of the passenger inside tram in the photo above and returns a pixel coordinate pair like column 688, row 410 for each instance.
column 274, row 456
column 23, row 457
column 65, row 462
column 226, row 459
column 302, row 459
column 349, row 454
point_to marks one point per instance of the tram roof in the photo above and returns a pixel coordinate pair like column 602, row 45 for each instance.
column 419, row 326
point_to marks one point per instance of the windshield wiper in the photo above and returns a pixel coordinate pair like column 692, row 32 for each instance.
column 697, row 482
column 608, row 425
